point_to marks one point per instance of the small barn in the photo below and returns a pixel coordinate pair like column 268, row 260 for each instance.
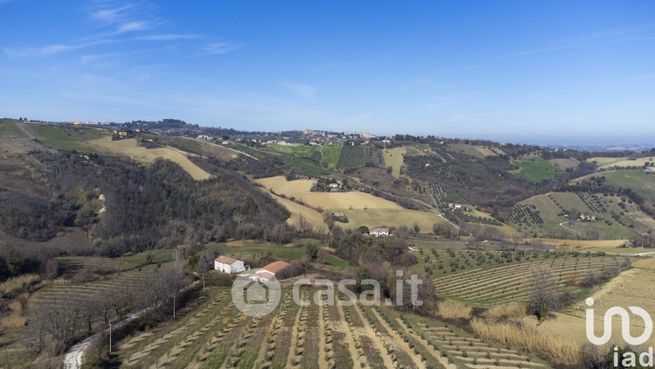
column 227, row 264
column 270, row 271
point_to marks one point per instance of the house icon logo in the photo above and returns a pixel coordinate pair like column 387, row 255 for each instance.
column 256, row 297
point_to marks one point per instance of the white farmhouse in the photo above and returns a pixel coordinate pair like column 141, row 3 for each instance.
column 227, row 264
column 379, row 231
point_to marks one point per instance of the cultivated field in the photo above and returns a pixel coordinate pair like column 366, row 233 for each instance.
column 130, row 148
column 69, row 265
column 351, row 157
column 439, row 261
column 66, row 292
column 555, row 215
column 214, row 334
column 515, row 282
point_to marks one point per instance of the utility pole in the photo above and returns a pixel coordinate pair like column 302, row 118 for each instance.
column 110, row 337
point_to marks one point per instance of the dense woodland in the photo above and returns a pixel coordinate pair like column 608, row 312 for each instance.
column 155, row 206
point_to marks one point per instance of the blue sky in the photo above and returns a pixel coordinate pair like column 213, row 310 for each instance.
column 543, row 72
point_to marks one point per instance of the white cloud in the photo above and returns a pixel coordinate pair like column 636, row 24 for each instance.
column 218, row 48
column 305, row 91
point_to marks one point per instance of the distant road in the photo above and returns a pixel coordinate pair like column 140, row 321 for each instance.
column 226, row 148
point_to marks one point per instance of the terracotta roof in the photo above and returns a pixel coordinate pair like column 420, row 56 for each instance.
column 276, row 266
column 225, row 260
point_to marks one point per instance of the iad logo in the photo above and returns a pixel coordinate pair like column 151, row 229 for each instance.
column 628, row 359
column 625, row 325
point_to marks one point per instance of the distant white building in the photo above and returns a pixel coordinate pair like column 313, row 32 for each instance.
column 227, row 264
column 379, row 231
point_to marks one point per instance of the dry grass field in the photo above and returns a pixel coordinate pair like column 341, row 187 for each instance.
column 298, row 212
column 621, row 162
column 580, row 245
column 130, row 148
column 361, row 208
column 300, row 191
column 391, row 217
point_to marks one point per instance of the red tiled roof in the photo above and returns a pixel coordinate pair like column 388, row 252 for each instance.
column 276, row 266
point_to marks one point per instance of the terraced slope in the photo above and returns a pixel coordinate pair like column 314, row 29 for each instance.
column 516, row 282
column 68, row 293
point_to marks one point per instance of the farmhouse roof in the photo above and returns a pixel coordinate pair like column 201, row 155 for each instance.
column 380, row 229
column 276, row 266
column 226, row 260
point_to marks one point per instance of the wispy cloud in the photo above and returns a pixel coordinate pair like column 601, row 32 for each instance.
column 303, row 90
column 132, row 26
column 616, row 34
column 168, row 37
column 111, row 15
column 50, row 50
column 217, row 48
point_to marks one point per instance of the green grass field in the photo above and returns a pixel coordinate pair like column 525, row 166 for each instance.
column 326, row 155
column 8, row 129
column 535, row 170
column 67, row 138
column 394, row 158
